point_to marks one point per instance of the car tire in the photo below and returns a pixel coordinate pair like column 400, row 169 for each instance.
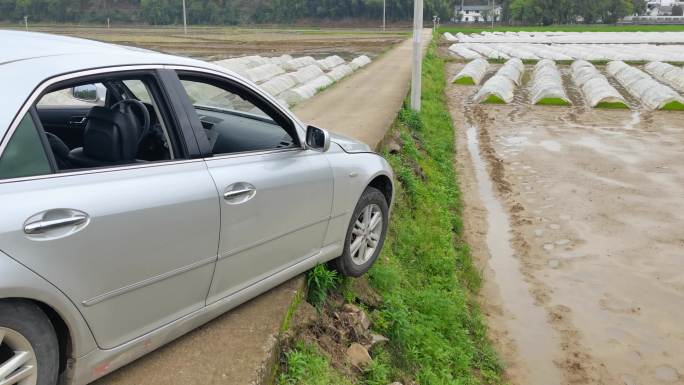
column 26, row 330
column 362, row 231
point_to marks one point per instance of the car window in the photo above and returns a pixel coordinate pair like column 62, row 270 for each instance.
column 24, row 155
column 129, row 128
column 91, row 95
column 232, row 123
column 139, row 90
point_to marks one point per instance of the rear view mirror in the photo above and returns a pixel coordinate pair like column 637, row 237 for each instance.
column 317, row 139
column 90, row 93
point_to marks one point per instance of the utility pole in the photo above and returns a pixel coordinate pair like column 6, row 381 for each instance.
column 384, row 15
column 26, row 23
column 417, row 55
column 491, row 15
column 185, row 20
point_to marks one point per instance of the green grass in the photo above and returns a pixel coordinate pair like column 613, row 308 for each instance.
column 567, row 28
column 466, row 81
column 319, row 282
column 553, row 102
column 613, row 105
column 673, row 106
column 425, row 274
column 493, row 99
column 304, row 365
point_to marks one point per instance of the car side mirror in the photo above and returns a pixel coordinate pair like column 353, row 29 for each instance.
column 317, row 139
column 90, row 93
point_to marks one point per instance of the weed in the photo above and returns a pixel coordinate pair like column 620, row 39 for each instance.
column 319, row 282
column 305, row 366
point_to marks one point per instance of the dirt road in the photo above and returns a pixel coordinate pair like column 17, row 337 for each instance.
column 365, row 105
column 239, row 347
column 577, row 216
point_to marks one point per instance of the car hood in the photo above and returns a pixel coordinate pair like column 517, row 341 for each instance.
column 348, row 144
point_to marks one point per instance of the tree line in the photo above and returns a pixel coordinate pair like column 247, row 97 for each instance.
column 232, row 12
column 546, row 12
column 163, row 12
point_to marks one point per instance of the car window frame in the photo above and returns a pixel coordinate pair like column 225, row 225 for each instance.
column 284, row 120
column 189, row 149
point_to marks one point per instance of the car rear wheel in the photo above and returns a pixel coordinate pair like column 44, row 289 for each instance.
column 365, row 235
column 29, row 351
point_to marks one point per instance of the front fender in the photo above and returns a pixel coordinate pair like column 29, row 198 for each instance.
column 352, row 175
column 17, row 281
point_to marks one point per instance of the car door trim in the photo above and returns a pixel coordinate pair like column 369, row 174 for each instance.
column 150, row 281
column 267, row 240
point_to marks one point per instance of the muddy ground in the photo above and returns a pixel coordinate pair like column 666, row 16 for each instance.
column 215, row 43
column 576, row 216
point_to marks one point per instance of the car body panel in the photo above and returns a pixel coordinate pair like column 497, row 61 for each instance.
column 121, row 262
column 20, row 282
column 282, row 224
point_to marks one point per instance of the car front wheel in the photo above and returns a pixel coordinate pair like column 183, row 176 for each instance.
column 29, row 351
column 365, row 235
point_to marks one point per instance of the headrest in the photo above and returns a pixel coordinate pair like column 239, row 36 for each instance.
column 111, row 136
column 59, row 148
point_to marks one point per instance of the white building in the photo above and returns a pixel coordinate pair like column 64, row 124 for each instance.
column 476, row 13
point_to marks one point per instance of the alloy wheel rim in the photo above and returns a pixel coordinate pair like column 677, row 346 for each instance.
column 18, row 364
column 366, row 234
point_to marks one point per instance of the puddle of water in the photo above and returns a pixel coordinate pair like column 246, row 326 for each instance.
column 528, row 326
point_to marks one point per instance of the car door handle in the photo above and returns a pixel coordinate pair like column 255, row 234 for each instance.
column 239, row 193
column 41, row 226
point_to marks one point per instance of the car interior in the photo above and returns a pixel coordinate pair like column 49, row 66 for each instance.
column 107, row 123
column 232, row 123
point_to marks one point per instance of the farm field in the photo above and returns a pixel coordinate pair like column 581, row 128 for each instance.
column 216, row 43
column 562, row 28
column 575, row 214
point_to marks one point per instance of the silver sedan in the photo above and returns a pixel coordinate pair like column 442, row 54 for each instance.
column 143, row 195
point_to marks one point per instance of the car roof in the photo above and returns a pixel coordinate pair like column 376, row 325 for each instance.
column 27, row 59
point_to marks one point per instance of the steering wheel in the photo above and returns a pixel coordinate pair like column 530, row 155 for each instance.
column 143, row 109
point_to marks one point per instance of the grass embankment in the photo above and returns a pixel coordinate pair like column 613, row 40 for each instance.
column 425, row 274
column 565, row 28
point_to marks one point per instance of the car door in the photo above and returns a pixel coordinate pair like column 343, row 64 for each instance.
column 275, row 195
column 133, row 246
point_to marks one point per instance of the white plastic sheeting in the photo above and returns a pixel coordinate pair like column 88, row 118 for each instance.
column 255, row 61
column 594, row 86
column 306, row 74
column 280, row 60
column 279, row 84
column 487, row 51
column 475, row 71
column 300, row 62
column 462, row 51
column 502, row 85
column 668, row 74
column 264, row 72
column 340, row 72
column 306, row 91
column 547, row 83
column 571, row 37
column 360, row 62
column 330, row 62
column 567, row 52
column 235, row 65
column 652, row 94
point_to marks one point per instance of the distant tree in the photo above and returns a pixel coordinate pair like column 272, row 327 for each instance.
column 677, row 10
